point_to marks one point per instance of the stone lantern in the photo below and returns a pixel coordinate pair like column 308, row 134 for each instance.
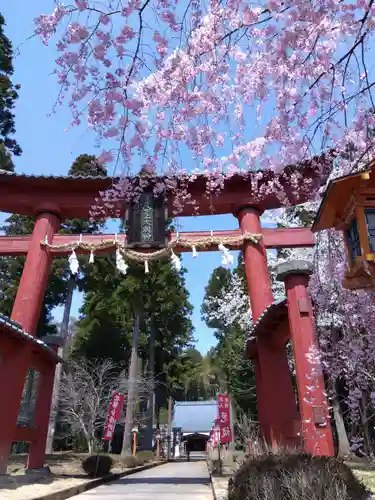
column 146, row 221
column 349, row 206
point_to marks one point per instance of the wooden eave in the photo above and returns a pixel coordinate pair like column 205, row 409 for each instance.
column 337, row 196
column 14, row 331
column 266, row 325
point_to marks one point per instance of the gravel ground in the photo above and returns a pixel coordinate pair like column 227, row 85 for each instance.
column 65, row 469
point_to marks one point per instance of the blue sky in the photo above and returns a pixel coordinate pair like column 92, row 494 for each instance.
column 49, row 149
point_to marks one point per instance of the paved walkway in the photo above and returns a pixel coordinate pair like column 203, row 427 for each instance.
column 173, row 481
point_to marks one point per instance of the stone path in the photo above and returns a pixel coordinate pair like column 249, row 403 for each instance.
column 172, row 481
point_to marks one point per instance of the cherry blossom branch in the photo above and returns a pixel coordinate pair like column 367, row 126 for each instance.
column 233, row 87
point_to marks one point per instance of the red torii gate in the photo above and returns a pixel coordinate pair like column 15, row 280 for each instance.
column 54, row 199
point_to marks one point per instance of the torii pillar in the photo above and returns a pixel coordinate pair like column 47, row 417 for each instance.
column 277, row 408
column 315, row 422
column 14, row 366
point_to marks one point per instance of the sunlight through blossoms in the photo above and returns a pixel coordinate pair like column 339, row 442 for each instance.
column 218, row 87
column 232, row 306
column 345, row 326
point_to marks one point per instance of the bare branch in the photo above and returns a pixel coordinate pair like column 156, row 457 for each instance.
column 86, row 389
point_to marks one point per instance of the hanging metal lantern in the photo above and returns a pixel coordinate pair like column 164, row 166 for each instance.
column 146, row 222
column 349, row 206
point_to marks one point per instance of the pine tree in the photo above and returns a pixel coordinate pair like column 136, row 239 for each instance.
column 8, row 96
column 113, row 300
column 101, row 334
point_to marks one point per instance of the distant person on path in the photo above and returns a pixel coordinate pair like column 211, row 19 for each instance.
column 188, row 450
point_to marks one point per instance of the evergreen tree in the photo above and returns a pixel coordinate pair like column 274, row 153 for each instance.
column 160, row 296
column 101, row 334
column 198, row 377
column 8, row 96
column 108, row 313
column 87, row 166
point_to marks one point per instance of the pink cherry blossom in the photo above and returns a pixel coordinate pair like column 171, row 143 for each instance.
column 76, row 33
column 81, row 4
column 281, row 83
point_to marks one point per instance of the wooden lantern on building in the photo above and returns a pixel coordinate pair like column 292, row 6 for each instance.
column 349, row 205
column 146, row 222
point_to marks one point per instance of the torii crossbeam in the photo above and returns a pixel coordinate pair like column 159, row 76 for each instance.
column 272, row 238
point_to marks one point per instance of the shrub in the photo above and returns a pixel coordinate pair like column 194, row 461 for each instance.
column 146, row 456
column 97, row 465
column 295, row 477
column 140, row 459
column 131, row 462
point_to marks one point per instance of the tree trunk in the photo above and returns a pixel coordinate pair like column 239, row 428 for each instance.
column 130, row 403
column 342, row 436
column 232, row 420
column 344, row 448
column 170, row 417
column 144, row 366
column 364, row 419
column 150, row 402
column 157, row 410
column 143, row 401
column 56, row 384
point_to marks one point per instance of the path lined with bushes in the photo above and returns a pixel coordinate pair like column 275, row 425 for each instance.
column 182, row 480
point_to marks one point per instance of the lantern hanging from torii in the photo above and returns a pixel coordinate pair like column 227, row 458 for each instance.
column 146, row 221
column 349, row 206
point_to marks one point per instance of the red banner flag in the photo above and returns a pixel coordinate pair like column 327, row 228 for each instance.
column 113, row 414
column 223, row 404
